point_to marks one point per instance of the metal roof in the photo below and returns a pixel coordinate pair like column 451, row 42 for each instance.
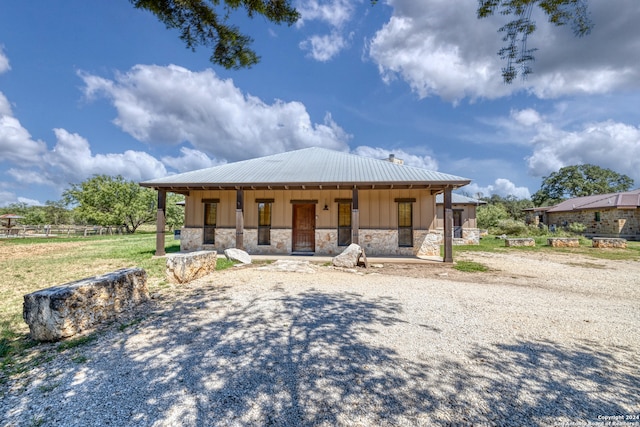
column 623, row 200
column 312, row 167
column 459, row 199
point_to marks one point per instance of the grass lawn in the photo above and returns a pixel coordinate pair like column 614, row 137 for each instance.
column 27, row 265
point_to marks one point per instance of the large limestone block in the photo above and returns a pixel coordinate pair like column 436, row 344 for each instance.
column 563, row 242
column 185, row 267
column 524, row 241
column 65, row 310
column 238, row 255
column 350, row 257
column 609, row 242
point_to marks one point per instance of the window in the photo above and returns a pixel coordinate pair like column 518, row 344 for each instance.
column 210, row 215
column 264, row 223
column 597, row 217
column 405, row 224
column 344, row 223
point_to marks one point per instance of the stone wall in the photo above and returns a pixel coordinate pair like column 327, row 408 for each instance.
column 65, row 310
column 280, row 242
column 613, row 222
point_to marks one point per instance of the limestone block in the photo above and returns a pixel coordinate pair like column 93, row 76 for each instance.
column 185, row 267
column 430, row 245
column 63, row 311
column 563, row 242
column 606, row 242
column 526, row 241
column 349, row 257
column 238, row 255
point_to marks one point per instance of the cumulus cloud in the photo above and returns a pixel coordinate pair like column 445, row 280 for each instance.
column 190, row 160
column 324, row 47
column 16, row 144
column 445, row 51
column 334, row 13
column 173, row 105
column 425, row 162
column 502, row 187
column 607, row 144
column 71, row 161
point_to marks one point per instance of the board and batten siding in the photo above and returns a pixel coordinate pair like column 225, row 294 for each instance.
column 378, row 209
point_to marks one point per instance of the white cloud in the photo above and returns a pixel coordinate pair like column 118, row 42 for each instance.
column 608, row 144
column 4, row 61
column 445, row 51
column 425, row 162
column 323, row 48
column 190, row 160
column 16, row 144
column 502, row 187
column 526, row 117
column 334, row 13
column 72, row 161
column 172, row 105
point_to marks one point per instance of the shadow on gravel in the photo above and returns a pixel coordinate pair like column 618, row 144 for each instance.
column 300, row 359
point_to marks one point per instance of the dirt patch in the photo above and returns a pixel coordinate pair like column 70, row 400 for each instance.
column 13, row 251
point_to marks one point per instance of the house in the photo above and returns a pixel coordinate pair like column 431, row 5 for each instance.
column 311, row 201
column 604, row 215
column 465, row 225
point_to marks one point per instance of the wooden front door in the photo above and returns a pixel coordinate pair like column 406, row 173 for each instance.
column 304, row 228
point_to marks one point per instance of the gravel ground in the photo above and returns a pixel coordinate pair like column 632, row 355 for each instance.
column 539, row 340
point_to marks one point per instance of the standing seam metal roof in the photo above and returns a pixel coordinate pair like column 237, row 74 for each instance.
column 628, row 199
column 308, row 166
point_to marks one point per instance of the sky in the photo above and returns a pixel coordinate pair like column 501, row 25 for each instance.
column 103, row 88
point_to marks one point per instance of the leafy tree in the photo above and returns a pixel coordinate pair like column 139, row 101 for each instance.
column 174, row 214
column 105, row 200
column 517, row 31
column 206, row 23
column 56, row 213
column 578, row 181
column 489, row 215
column 511, row 204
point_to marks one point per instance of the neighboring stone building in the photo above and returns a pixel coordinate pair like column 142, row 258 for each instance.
column 604, row 215
column 312, row 201
column 465, row 225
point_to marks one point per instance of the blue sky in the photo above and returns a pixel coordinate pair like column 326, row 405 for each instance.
column 102, row 88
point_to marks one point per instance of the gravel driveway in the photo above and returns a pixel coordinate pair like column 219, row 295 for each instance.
column 540, row 340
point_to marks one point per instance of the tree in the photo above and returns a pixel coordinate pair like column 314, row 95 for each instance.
column 490, row 215
column 105, row 200
column 174, row 214
column 206, row 23
column 517, row 31
column 578, row 181
column 511, row 204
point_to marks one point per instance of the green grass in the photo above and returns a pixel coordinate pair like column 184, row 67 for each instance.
column 76, row 342
column 27, row 265
column 491, row 244
column 470, row 266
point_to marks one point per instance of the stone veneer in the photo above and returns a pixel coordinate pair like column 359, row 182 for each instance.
column 613, row 222
column 374, row 242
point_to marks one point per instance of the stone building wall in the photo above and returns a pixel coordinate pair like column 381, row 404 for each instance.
column 613, row 222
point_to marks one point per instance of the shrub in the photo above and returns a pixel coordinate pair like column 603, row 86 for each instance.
column 576, row 228
column 510, row 227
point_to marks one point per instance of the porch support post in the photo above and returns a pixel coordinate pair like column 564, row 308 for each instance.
column 161, row 222
column 448, row 226
column 355, row 217
column 239, row 219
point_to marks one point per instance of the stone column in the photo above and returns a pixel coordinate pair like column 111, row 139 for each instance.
column 355, row 217
column 239, row 219
column 448, row 226
column 161, row 222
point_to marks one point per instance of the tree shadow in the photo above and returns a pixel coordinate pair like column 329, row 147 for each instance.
column 314, row 357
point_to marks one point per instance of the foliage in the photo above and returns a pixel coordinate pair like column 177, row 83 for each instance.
column 510, row 227
column 514, row 206
column 517, row 31
column 578, row 181
column 174, row 213
column 105, row 200
column 206, row 23
column 489, row 215
column 576, row 228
